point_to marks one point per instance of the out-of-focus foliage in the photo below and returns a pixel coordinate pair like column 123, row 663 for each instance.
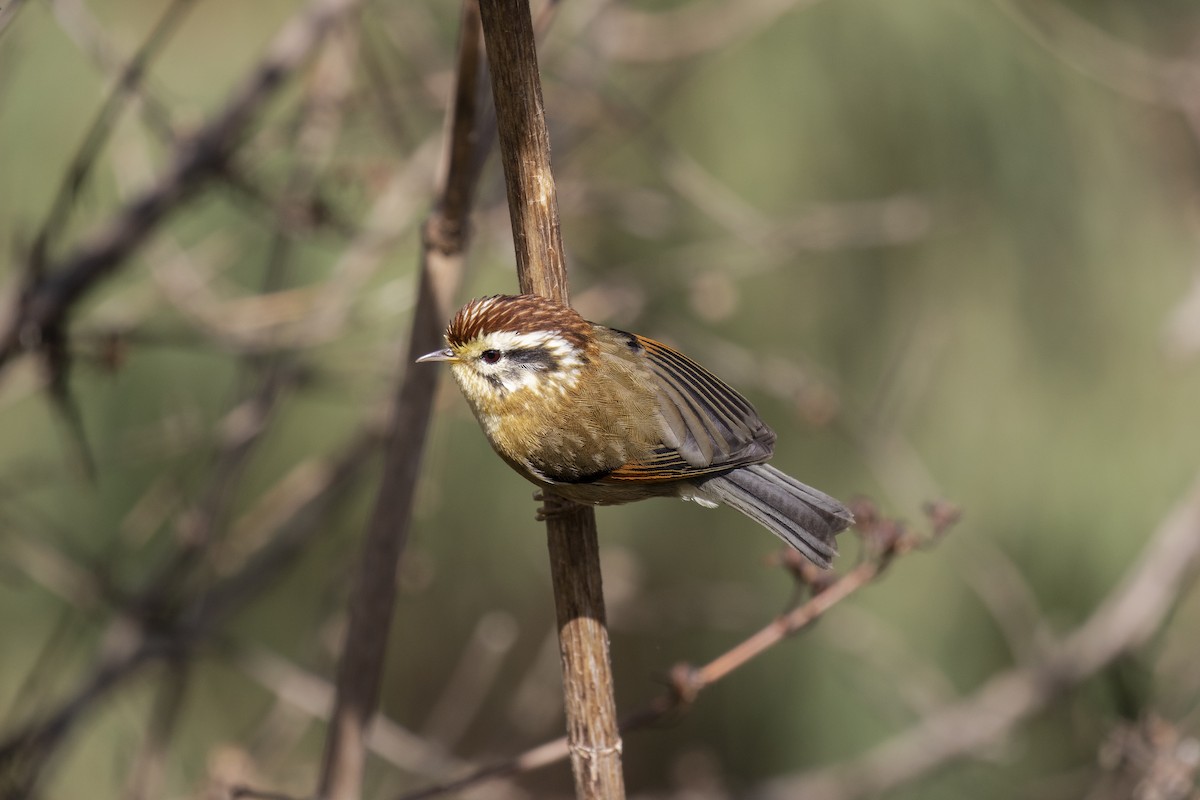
column 942, row 259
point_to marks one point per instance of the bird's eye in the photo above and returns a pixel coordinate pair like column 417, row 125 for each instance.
column 490, row 356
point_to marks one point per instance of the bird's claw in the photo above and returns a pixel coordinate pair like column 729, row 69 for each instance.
column 552, row 505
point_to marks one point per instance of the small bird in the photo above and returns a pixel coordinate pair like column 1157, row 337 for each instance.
column 607, row 417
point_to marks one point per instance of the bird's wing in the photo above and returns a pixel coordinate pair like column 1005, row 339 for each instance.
column 707, row 426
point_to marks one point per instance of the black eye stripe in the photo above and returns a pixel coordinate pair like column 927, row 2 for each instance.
column 538, row 358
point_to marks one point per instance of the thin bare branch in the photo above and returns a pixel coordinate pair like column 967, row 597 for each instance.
column 374, row 589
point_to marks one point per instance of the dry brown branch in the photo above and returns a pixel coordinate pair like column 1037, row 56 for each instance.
column 690, row 681
column 884, row 540
column 595, row 741
column 1125, row 620
column 374, row 589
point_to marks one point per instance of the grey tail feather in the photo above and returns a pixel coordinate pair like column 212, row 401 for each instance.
column 800, row 515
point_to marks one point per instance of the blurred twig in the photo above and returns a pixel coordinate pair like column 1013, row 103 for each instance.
column 1123, row 68
column 1125, row 620
column 265, row 379
column 468, row 683
column 374, row 589
column 633, row 35
column 77, row 22
column 314, row 697
column 147, row 774
column 895, row 220
column 298, row 317
column 197, row 526
column 77, row 172
column 139, row 636
column 1170, row 83
column 38, row 320
column 1103, row 58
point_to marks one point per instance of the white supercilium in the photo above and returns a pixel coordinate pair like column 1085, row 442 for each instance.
column 515, row 376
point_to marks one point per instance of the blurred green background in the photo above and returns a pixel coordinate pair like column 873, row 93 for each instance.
column 944, row 257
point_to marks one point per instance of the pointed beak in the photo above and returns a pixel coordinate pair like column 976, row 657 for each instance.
column 438, row 355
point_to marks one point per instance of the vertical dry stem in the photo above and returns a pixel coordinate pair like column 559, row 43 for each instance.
column 374, row 591
column 592, row 731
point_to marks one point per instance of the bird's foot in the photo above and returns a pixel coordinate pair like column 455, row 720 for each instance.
column 552, row 505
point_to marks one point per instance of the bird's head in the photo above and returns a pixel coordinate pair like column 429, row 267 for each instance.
column 515, row 347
